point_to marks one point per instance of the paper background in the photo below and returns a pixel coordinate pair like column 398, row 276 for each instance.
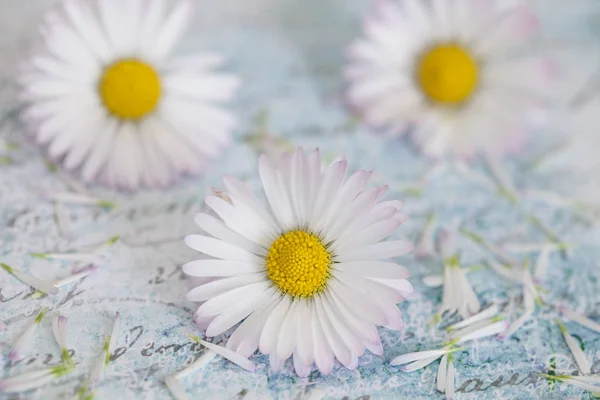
column 289, row 54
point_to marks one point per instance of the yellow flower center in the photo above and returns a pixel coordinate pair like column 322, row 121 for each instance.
column 298, row 263
column 130, row 89
column 448, row 74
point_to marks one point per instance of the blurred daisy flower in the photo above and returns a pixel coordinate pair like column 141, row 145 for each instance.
column 105, row 95
column 312, row 270
column 448, row 72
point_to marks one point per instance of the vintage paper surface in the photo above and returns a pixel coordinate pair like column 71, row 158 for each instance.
column 289, row 54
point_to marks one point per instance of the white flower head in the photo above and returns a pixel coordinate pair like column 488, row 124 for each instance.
column 105, row 95
column 448, row 70
column 310, row 267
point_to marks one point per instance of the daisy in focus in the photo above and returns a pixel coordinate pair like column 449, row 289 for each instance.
column 106, row 97
column 306, row 276
column 446, row 71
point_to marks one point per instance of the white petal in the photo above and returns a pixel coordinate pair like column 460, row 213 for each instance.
column 420, row 355
column 302, row 370
column 375, row 289
column 304, row 335
column 59, row 329
column 377, row 251
column 237, row 312
column 442, row 374
column 42, row 286
column 215, row 288
column 114, row 334
column 27, row 381
column 244, row 340
column 580, row 319
column 594, row 390
column 324, row 358
column 275, row 193
column 221, row 303
column 489, row 312
column 219, row 230
column 219, row 268
column 219, row 249
column 250, row 228
column 374, row 269
column 201, row 362
column 270, row 331
column 340, row 350
column 490, row 330
column 450, row 381
column 172, row 28
column 26, row 337
column 515, row 325
column 239, row 192
column 578, row 354
column 360, row 327
column 230, row 355
column 374, row 233
column 331, row 183
column 361, row 306
column 285, row 343
column 419, row 364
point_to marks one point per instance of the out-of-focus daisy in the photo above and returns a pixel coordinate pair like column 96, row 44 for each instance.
column 448, row 71
column 310, row 267
column 106, row 96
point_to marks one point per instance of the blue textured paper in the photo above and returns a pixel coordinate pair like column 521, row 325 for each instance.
column 289, row 54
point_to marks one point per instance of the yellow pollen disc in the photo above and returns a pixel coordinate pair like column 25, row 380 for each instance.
column 130, row 89
column 298, row 264
column 448, row 74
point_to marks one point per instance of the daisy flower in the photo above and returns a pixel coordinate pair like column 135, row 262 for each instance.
column 105, row 95
column 447, row 70
column 310, row 266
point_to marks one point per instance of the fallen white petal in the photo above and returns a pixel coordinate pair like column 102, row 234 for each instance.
column 175, row 388
column 489, row 330
column 228, row 354
column 41, row 285
column 76, row 276
column 114, row 335
column 450, row 379
column 515, row 325
column 25, row 338
column 489, row 312
column 580, row 319
column 594, row 379
column 32, row 380
column 59, row 329
column 203, row 360
column 595, row 390
column 578, row 354
column 441, row 375
column 419, row 355
column 419, row 364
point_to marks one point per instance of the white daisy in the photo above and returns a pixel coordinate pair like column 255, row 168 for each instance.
column 447, row 69
column 106, row 96
column 309, row 267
